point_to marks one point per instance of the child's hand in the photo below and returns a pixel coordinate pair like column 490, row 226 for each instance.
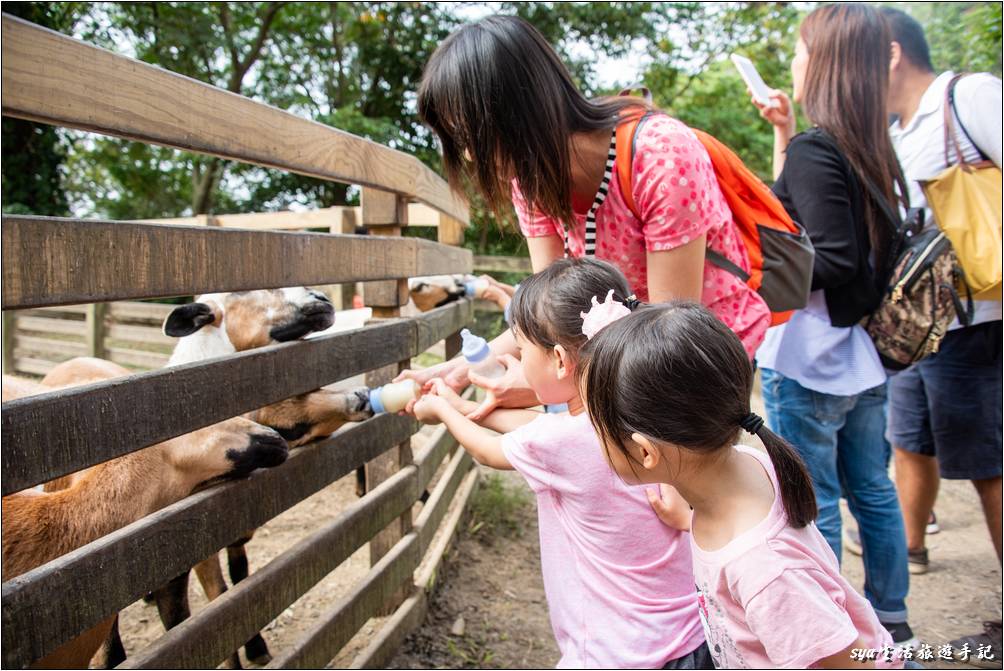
column 671, row 508
column 509, row 391
column 498, row 296
column 428, row 409
column 440, row 388
column 507, row 289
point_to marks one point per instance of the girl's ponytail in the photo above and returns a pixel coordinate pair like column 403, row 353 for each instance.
column 797, row 494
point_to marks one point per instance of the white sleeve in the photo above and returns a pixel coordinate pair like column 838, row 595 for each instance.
column 978, row 103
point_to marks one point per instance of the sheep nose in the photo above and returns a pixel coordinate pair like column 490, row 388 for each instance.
column 362, row 396
column 268, row 449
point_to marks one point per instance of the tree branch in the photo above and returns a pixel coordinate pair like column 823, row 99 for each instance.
column 227, row 36
column 241, row 67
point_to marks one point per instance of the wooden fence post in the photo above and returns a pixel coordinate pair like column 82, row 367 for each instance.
column 95, row 329
column 344, row 222
column 9, row 333
column 385, row 213
column 451, row 232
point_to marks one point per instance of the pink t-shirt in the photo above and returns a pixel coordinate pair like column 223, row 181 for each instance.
column 676, row 193
column 618, row 582
column 774, row 597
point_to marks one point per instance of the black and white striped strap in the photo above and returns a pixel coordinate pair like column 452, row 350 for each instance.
column 601, row 195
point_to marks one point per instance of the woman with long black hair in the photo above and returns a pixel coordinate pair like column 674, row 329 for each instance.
column 512, row 122
column 824, row 386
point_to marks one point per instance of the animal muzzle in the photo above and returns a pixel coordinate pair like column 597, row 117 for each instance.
column 265, row 450
column 314, row 316
column 359, row 401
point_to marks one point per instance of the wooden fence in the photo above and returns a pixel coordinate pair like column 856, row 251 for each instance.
column 50, row 262
column 130, row 332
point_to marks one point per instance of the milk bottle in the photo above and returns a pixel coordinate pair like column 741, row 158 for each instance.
column 393, row 397
column 479, row 356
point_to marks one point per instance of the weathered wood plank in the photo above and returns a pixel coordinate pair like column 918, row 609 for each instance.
column 60, row 348
column 506, row 264
column 33, row 366
column 133, row 357
column 51, row 325
column 55, row 79
column 9, row 333
column 95, row 329
column 144, row 334
column 409, row 616
column 436, row 325
column 324, row 217
column 439, row 500
column 227, row 622
column 83, row 426
column 56, row 601
column 133, row 310
column 50, row 261
column 323, row 641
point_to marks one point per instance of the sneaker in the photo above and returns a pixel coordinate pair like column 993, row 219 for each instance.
column 852, row 541
column 967, row 649
column 902, row 635
column 917, row 562
column 932, row 525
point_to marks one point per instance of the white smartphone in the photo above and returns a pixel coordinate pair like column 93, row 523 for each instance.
column 753, row 80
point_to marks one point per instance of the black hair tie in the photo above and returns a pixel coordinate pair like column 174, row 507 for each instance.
column 751, row 423
column 632, row 302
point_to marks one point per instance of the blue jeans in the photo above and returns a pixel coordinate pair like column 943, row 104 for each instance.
column 842, row 441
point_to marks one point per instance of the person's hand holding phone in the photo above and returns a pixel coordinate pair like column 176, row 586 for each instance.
column 780, row 114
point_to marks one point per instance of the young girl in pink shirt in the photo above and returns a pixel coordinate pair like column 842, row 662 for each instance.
column 667, row 388
column 618, row 582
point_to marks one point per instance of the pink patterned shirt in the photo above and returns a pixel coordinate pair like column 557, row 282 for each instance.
column 676, row 192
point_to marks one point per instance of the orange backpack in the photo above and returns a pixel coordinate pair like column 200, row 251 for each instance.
column 779, row 250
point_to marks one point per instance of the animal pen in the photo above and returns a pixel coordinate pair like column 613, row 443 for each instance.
column 51, row 263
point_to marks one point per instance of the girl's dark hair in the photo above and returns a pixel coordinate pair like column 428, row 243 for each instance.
column 846, row 89
column 676, row 374
column 547, row 307
column 497, row 91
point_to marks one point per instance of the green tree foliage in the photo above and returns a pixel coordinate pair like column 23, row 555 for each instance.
column 963, row 36
column 356, row 66
column 34, row 153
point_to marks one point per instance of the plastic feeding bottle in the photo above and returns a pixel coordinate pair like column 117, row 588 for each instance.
column 393, row 397
column 479, row 356
column 476, row 287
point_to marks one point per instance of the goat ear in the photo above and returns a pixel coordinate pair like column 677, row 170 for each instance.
column 188, row 319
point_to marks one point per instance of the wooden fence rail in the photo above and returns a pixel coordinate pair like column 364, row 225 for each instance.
column 66, row 261
column 55, row 79
column 51, row 266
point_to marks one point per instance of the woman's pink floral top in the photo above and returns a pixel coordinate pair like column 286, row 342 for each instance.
column 677, row 195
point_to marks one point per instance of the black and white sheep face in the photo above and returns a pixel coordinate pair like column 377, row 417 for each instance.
column 243, row 320
column 435, row 290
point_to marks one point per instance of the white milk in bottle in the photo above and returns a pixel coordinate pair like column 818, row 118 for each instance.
column 393, row 397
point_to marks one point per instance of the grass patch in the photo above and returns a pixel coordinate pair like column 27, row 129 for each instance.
column 496, row 508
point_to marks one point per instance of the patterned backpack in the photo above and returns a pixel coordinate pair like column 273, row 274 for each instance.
column 920, row 301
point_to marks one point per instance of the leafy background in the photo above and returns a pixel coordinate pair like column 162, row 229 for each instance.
column 356, row 65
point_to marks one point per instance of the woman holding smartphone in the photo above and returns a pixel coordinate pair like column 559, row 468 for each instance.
column 512, row 122
column 823, row 384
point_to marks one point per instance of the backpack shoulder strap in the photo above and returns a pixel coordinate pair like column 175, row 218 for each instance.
column 627, row 130
column 952, row 111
